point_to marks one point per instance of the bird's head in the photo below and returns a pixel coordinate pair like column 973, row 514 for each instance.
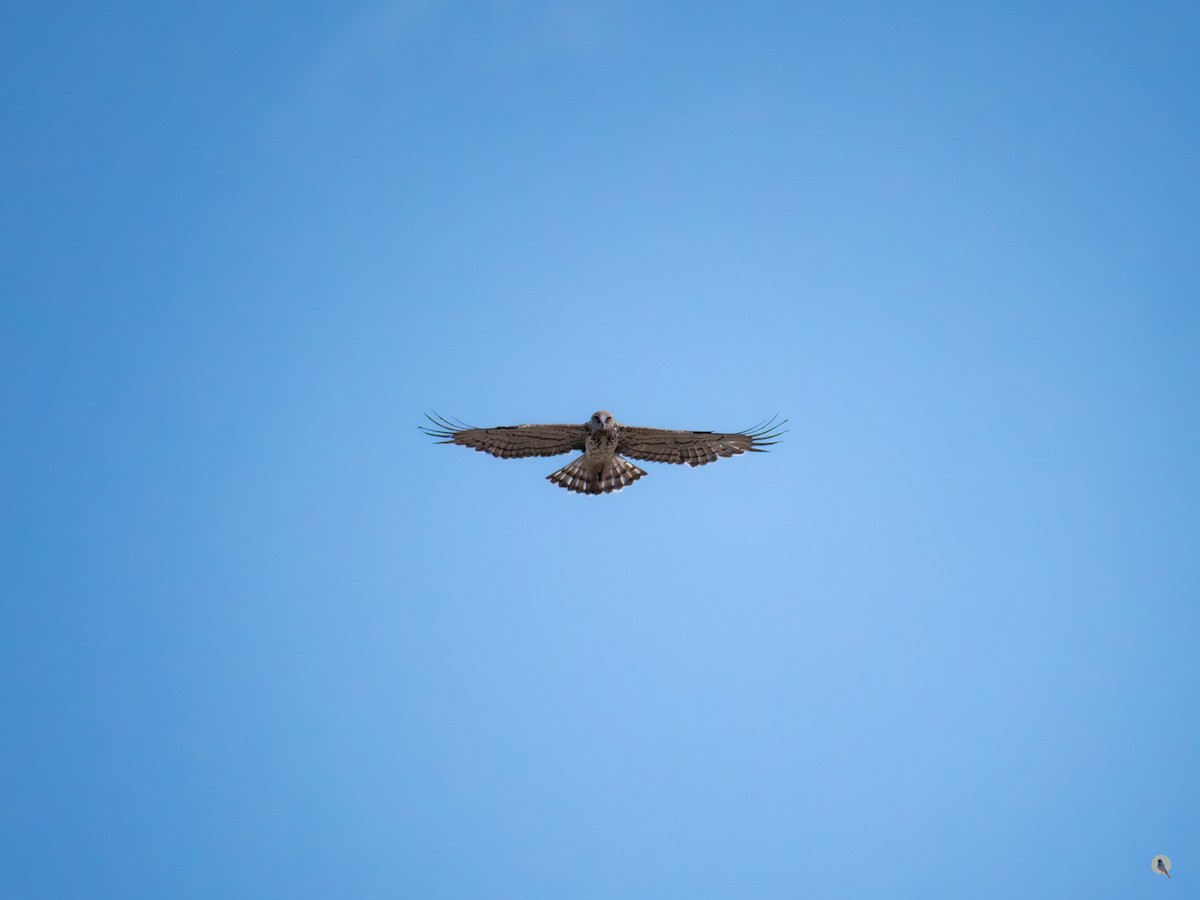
column 602, row 421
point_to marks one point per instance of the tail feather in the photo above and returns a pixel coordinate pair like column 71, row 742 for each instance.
column 586, row 477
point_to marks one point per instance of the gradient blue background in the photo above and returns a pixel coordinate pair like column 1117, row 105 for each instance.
column 261, row 638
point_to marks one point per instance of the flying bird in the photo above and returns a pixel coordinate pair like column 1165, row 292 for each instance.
column 605, row 444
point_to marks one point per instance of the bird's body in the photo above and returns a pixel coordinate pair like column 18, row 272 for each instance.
column 605, row 443
column 600, row 445
column 601, row 469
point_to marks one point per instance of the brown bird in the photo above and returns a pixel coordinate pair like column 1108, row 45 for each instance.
column 604, row 443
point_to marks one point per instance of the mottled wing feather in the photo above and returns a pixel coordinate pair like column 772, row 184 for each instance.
column 694, row 447
column 509, row 441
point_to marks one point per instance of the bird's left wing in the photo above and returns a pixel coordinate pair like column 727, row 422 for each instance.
column 509, row 441
column 695, row 447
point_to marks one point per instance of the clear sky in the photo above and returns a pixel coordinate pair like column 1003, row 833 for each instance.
column 260, row 637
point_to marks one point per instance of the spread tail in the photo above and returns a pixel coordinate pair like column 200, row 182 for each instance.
column 586, row 477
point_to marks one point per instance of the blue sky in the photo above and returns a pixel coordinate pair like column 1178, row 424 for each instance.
column 261, row 638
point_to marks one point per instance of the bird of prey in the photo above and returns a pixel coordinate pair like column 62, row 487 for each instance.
column 605, row 444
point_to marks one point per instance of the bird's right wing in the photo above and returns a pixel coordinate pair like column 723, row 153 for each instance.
column 509, row 441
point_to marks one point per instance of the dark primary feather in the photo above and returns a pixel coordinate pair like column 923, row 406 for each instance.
column 696, row 447
column 508, row 441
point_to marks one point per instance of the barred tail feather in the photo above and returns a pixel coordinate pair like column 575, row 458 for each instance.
column 586, row 477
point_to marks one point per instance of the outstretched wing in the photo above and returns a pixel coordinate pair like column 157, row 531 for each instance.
column 509, row 441
column 695, row 447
